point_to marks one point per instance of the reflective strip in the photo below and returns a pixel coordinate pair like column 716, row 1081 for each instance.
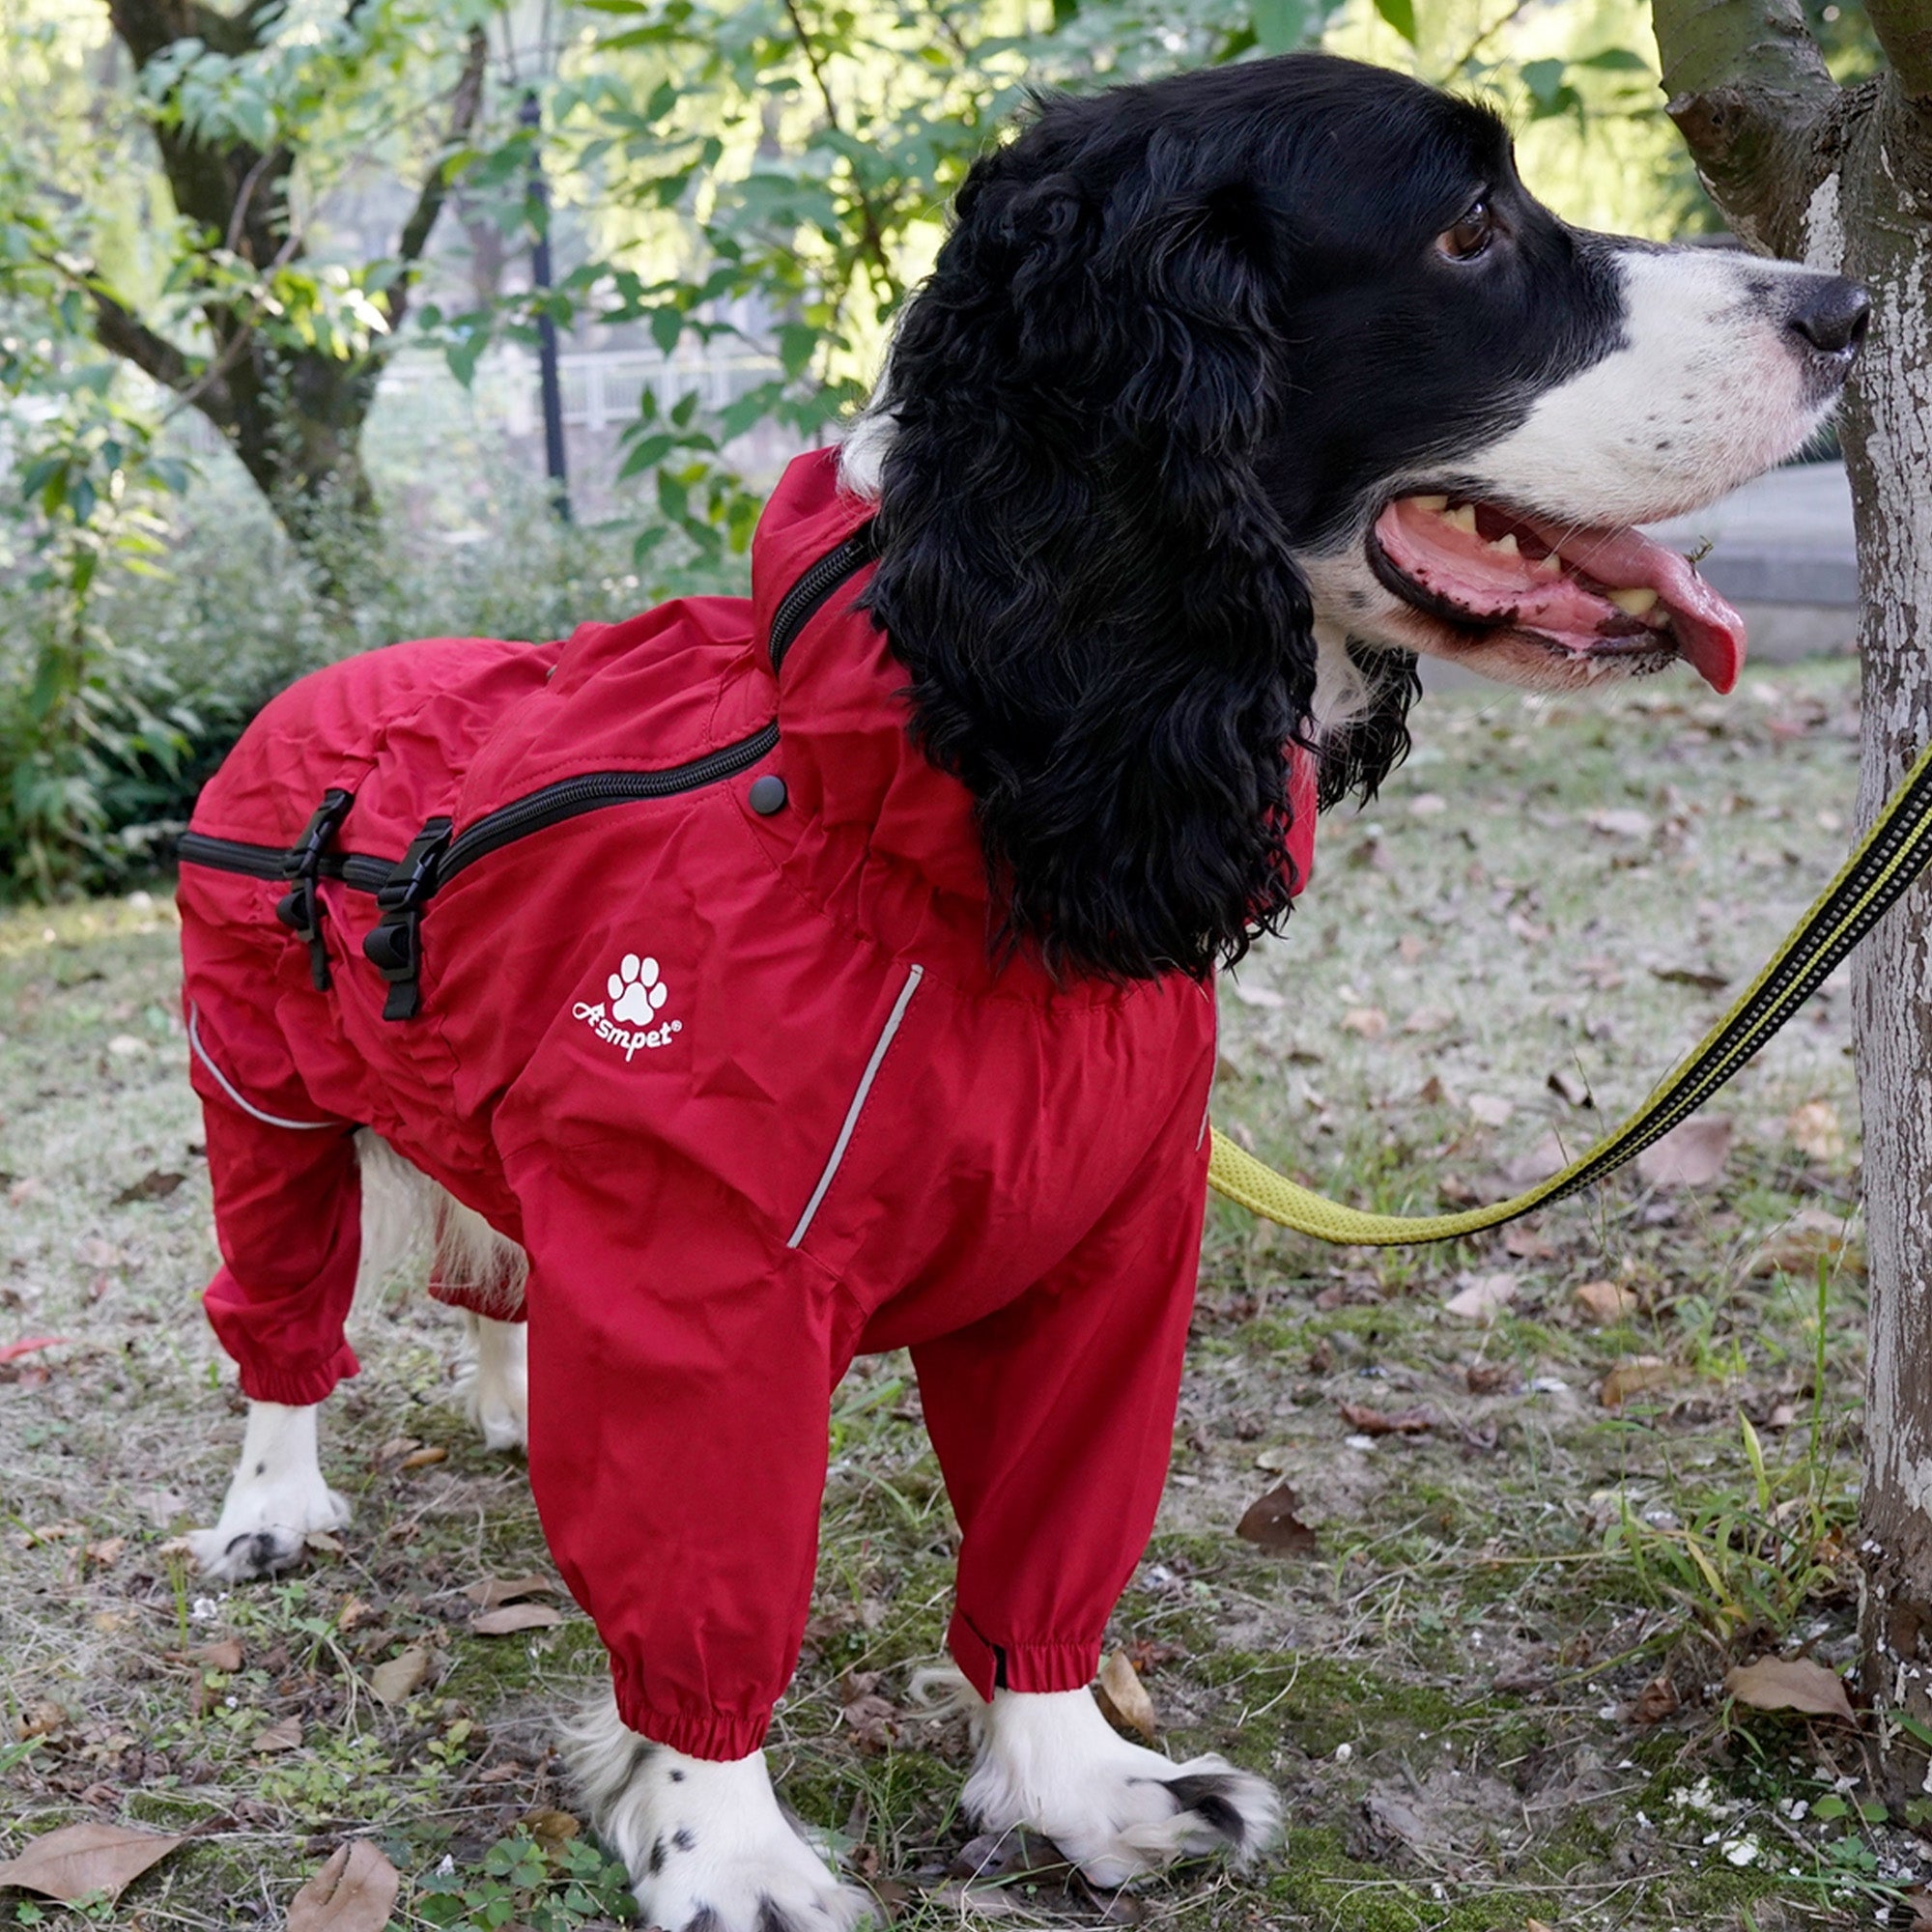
column 227, row 1086
column 914, row 976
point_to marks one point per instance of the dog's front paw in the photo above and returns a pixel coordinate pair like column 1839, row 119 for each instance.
column 707, row 1845
column 276, row 1501
column 1051, row 1761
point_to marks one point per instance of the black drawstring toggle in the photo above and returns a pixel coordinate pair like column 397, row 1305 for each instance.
column 394, row 944
column 300, row 908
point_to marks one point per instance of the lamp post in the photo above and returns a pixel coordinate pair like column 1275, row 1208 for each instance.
column 555, row 465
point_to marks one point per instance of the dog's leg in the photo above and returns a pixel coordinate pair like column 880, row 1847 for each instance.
column 708, row 1846
column 1050, row 1761
column 276, row 1499
column 499, row 1391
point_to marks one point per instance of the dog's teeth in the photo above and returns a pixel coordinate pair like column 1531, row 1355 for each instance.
column 1506, row 544
column 1636, row 603
column 1430, row 503
column 1548, row 565
column 1462, row 517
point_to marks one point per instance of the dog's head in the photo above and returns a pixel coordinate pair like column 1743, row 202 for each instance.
column 1273, row 370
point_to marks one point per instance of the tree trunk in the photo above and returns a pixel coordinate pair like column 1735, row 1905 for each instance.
column 294, row 414
column 1843, row 179
column 1887, row 440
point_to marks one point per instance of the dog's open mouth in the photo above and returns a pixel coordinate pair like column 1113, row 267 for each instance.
column 1590, row 593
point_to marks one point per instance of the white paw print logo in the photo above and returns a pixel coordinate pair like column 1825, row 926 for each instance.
column 635, row 991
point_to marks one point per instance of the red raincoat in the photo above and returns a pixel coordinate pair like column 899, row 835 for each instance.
column 730, row 1060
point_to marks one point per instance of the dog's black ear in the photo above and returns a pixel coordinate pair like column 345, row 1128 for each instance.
column 1109, row 641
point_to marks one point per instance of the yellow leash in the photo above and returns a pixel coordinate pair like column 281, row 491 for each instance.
column 1882, row 864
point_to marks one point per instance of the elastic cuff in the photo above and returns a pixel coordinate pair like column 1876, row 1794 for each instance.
column 991, row 1666
column 723, row 1739
column 299, row 1388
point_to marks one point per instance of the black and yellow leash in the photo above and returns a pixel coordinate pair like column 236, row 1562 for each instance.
column 1884, row 862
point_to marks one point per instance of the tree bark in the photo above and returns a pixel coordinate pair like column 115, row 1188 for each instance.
column 1842, row 178
column 293, row 414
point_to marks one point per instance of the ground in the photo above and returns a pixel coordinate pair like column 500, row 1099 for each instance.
column 1487, row 1667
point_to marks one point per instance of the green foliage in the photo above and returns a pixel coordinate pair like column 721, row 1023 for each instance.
column 528, row 1883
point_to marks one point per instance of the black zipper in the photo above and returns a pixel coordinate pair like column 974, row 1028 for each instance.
column 798, row 605
column 404, row 886
column 570, row 797
column 360, row 871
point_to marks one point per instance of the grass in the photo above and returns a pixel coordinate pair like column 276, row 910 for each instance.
column 1491, row 1694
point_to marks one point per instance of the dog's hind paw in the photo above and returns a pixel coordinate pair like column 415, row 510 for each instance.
column 1051, row 1761
column 708, row 1846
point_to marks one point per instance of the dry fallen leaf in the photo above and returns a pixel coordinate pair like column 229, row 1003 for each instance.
column 1373, row 1422
column 1811, row 1236
column 1271, row 1523
column 1124, row 1698
column 1570, row 1087
column 354, row 1615
column 1544, row 1159
column 1813, row 1130
column 1655, row 1702
column 1482, row 1298
column 396, row 1677
column 1620, row 823
column 1690, row 1155
column 491, row 1591
column 1371, row 1022
column 1920, row 1905
column 1604, row 1302
column 421, row 1459
column 78, row 1860
column 513, row 1617
column 12, row 1352
column 286, row 1735
column 354, row 1891
column 1528, row 1244
column 1490, row 1109
column 108, row 1552
column 874, row 1721
column 1427, row 805
column 552, row 1827
column 1791, row 1684
column 1635, row 1375
column 1256, row 995
column 1429, row 1019
column 154, row 1186
column 1702, row 977
column 223, row 1656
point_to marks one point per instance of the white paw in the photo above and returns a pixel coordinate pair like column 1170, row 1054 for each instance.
column 276, row 1500
column 496, row 1394
column 1052, row 1762
column 635, row 991
column 707, row 1845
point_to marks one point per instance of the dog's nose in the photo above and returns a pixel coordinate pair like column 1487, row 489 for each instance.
column 1833, row 315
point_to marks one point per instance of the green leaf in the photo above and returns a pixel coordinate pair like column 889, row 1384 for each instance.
column 1831, row 1807
column 666, row 326
column 797, row 341
column 1280, row 24
column 1400, row 14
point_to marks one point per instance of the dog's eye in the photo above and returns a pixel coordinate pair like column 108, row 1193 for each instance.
column 1470, row 236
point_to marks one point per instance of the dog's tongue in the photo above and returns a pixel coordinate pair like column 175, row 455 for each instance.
column 1710, row 634
column 1487, row 576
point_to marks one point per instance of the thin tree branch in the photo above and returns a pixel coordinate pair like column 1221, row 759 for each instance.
column 1748, row 91
column 117, row 328
column 466, row 103
column 1488, row 33
column 875, row 241
column 1904, row 30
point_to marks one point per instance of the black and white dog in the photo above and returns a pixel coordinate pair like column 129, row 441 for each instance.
column 1279, row 370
